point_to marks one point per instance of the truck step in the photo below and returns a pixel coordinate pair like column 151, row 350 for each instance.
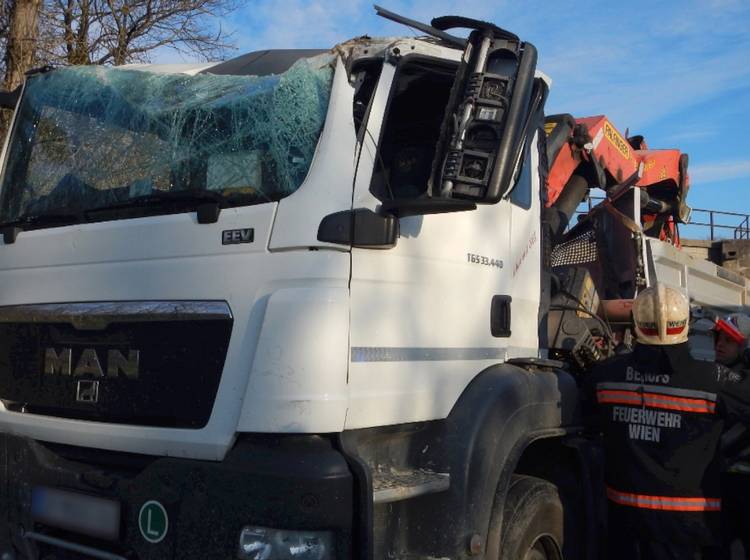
column 396, row 485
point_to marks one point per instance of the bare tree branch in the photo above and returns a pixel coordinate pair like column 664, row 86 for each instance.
column 120, row 31
column 34, row 33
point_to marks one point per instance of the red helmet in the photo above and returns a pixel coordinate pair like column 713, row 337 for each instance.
column 736, row 326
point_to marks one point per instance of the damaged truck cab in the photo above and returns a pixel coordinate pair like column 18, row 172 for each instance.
column 286, row 306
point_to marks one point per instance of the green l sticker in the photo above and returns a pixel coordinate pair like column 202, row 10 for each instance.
column 153, row 521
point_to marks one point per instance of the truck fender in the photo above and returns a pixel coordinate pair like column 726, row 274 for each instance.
column 502, row 411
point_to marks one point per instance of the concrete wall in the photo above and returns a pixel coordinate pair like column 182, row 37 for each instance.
column 733, row 254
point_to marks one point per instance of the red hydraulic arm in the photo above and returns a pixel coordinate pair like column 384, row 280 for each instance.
column 591, row 152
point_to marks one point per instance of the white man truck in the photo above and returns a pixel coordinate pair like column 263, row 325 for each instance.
column 301, row 305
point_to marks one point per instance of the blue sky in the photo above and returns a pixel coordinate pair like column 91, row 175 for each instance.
column 677, row 72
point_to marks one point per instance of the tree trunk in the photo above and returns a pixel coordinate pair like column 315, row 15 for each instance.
column 22, row 38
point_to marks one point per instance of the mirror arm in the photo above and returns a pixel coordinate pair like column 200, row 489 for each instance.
column 405, row 207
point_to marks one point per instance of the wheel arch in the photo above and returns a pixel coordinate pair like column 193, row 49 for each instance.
column 500, row 414
column 574, row 465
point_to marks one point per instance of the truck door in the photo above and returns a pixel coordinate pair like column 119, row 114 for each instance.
column 421, row 311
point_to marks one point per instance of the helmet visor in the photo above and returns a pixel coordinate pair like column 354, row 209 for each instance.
column 728, row 327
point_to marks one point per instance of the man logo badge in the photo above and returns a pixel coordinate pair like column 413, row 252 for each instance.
column 87, row 392
column 92, row 364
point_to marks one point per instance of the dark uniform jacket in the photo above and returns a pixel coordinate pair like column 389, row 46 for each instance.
column 735, row 442
column 662, row 414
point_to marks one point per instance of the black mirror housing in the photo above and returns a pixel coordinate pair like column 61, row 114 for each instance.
column 487, row 117
column 360, row 227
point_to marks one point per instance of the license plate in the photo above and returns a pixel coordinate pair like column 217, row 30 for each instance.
column 89, row 515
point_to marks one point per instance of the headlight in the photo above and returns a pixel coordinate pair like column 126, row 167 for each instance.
column 262, row 543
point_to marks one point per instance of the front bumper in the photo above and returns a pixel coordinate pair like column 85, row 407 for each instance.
column 288, row 482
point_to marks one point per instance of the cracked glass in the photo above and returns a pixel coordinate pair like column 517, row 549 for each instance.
column 89, row 137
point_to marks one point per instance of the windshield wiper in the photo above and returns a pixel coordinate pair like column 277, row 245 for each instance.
column 33, row 221
column 207, row 204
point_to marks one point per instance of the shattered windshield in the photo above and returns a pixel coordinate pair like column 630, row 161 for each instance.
column 89, row 137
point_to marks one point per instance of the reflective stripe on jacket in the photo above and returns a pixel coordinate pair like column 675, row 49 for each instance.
column 665, row 503
column 661, row 414
column 654, row 396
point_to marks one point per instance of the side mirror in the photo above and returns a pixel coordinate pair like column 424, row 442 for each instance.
column 494, row 100
column 366, row 229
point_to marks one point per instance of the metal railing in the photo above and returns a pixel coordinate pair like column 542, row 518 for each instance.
column 743, row 230
column 738, row 224
column 718, row 221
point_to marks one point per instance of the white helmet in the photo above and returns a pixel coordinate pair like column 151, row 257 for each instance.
column 661, row 315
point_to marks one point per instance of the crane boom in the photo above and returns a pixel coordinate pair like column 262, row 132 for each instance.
column 590, row 152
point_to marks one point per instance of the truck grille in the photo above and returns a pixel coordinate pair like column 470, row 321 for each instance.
column 143, row 363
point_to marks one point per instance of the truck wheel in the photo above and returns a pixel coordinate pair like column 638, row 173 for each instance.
column 532, row 522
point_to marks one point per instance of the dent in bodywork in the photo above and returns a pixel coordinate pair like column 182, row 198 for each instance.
column 391, row 48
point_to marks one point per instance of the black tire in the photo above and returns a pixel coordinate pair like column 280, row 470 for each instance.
column 532, row 522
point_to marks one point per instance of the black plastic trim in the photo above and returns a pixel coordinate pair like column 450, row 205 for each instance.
column 533, row 119
column 430, row 30
column 545, row 274
column 9, row 99
column 500, row 316
column 178, row 348
column 535, row 363
column 208, row 213
column 451, row 22
column 422, row 206
column 507, row 152
column 363, row 512
column 10, row 234
column 361, row 228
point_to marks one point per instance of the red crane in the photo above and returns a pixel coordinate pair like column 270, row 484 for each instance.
column 590, row 152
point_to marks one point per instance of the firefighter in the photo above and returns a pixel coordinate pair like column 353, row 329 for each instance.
column 730, row 342
column 731, row 335
column 662, row 414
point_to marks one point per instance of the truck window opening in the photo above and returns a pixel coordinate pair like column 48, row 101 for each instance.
column 366, row 78
column 520, row 194
column 411, row 129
